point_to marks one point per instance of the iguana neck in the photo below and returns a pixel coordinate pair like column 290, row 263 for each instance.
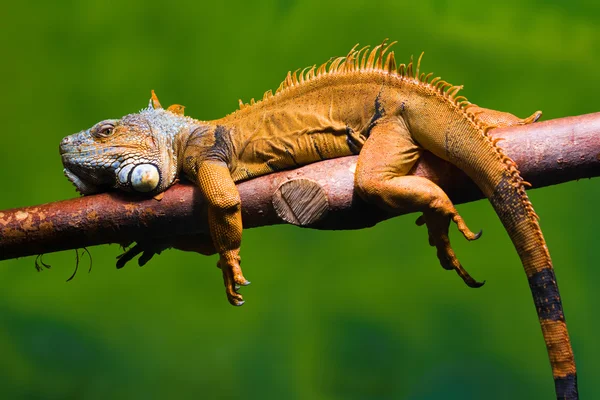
column 179, row 141
column 173, row 135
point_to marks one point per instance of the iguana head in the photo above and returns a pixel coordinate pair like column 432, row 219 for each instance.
column 135, row 153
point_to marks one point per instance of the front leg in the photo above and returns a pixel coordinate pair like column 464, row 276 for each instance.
column 224, row 222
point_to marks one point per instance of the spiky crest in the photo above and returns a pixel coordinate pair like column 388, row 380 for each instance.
column 154, row 104
column 177, row 109
column 377, row 59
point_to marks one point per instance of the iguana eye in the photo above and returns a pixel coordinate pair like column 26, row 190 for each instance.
column 104, row 130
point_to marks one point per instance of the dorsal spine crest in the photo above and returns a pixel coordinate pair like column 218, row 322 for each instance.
column 367, row 59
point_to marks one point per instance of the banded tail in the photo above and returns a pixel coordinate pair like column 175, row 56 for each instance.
column 497, row 176
column 516, row 213
column 458, row 133
column 511, row 203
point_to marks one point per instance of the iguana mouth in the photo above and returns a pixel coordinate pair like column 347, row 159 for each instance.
column 82, row 186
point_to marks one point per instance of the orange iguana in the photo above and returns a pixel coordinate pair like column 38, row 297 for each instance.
column 359, row 104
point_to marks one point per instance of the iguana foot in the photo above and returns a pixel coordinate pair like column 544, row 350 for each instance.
column 233, row 278
column 149, row 247
column 437, row 221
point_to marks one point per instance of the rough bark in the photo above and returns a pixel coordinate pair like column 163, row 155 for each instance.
column 547, row 153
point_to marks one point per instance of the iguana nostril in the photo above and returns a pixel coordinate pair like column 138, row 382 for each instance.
column 64, row 143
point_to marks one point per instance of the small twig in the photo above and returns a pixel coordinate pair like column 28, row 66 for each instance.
column 547, row 153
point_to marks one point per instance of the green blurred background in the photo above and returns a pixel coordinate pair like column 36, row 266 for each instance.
column 330, row 315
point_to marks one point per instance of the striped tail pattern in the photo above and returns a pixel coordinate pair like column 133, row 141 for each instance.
column 514, row 209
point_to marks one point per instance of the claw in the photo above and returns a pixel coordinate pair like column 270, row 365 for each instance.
column 449, row 262
column 472, row 283
column 421, row 220
column 145, row 257
column 229, row 263
column 437, row 226
column 238, row 276
column 124, row 258
column 446, row 257
column 235, row 299
column 462, row 227
column 148, row 248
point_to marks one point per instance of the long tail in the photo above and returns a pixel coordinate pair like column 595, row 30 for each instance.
column 498, row 177
column 516, row 213
column 457, row 131
column 509, row 199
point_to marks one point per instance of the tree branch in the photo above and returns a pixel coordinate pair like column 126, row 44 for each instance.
column 547, row 153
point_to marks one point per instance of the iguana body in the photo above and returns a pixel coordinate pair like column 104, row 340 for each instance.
column 361, row 104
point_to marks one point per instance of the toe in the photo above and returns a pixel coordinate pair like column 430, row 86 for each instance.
column 238, row 276
column 233, row 296
column 464, row 229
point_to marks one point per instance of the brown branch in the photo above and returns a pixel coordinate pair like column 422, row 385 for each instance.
column 547, row 153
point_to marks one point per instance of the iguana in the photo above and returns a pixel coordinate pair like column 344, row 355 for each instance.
column 359, row 104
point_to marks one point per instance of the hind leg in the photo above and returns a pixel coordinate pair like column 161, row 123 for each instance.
column 381, row 179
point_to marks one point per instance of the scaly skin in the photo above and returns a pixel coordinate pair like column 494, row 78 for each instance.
column 360, row 103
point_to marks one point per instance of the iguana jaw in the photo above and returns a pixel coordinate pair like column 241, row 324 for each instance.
column 85, row 172
column 81, row 186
